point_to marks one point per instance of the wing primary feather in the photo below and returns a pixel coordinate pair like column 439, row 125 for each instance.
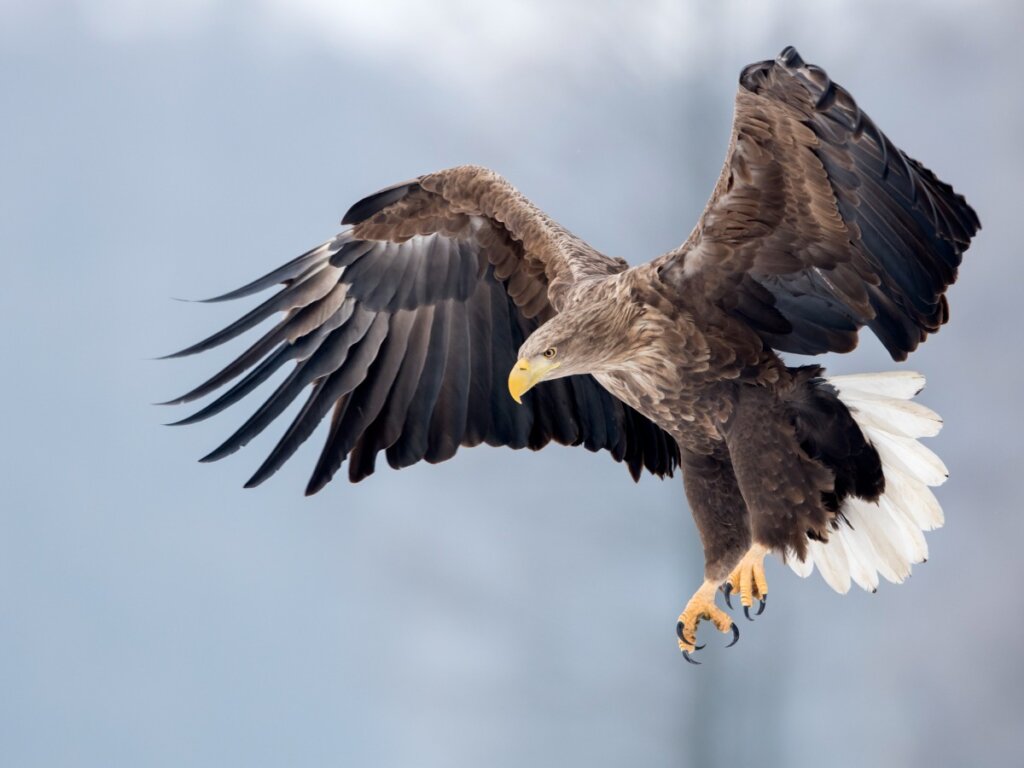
column 565, row 427
column 412, row 445
column 592, row 421
column 387, row 427
column 284, row 273
column 405, row 290
column 314, row 285
column 365, row 401
column 299, row 349
column 351, row 252
column 448, row 421
column 372, row 278
column 468, row 274
column 317, row 480
column 510, row 424
column 634, row 457
column 325, row 394
column 378, row 201
column 328, row 358
column 615, row 424
column 235, row 368
column 481, row 381
column 386, row 295
column 308, row 320
column 253, row 379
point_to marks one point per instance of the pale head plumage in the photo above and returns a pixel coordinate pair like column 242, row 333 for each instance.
column 587, row 337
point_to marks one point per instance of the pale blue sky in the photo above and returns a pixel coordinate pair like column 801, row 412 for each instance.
column 503, row 608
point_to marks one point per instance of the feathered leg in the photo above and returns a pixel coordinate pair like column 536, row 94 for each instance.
column 723, row 522
column 776, row 441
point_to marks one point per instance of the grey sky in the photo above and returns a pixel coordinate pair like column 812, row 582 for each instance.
column 504, row 608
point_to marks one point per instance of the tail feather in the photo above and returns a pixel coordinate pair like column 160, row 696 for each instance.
column 896, row 385
column 832, row 562
column 884, row 538
column 908, row 456
column 915, row 547
column 918, row 499
column 899, row 417
column 858, row 554
column 860, row 551
column 879, row 529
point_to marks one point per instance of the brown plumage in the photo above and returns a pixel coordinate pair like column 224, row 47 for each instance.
column 406, row 325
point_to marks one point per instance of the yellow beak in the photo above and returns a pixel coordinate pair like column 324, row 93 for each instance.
column 525, row 374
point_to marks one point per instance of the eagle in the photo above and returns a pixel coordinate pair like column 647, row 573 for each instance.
column 450, row 312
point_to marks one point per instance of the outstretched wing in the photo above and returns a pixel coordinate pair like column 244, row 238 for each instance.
column 819, row 225
column 406, row 326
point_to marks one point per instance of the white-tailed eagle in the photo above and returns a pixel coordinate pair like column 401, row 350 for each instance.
column 450, row 297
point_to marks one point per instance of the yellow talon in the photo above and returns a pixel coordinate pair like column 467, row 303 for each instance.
column 748, row 578
column 701, row 606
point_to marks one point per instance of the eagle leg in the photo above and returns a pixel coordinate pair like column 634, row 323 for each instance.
column 702, row 606
column 749, row 580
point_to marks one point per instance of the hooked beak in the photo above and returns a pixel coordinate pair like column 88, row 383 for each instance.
column 526, row 373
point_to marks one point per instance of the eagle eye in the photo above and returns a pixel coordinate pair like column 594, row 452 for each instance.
column 550, row 352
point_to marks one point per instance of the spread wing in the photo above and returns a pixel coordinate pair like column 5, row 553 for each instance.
column 405, row 327
column 819, row 225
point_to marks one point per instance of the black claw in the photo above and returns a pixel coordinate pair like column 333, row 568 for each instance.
column 686, row 655
column 746, row 612
column 728, row 591
column 735, row 635
column 760, row 608
column 681, row 636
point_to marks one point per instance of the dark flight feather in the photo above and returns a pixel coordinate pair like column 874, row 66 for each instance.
column 813, row 199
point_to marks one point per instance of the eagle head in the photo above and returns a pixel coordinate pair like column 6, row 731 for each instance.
column 589, row 339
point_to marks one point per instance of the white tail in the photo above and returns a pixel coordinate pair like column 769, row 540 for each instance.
column 885, row 537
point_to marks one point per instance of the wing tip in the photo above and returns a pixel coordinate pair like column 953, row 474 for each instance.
column 790, row 57
column 378, row 201
column 253, row 481
column 753, row 75
column 180, row 422
column 314, row 487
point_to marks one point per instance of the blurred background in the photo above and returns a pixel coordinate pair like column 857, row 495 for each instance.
column 152, row 613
